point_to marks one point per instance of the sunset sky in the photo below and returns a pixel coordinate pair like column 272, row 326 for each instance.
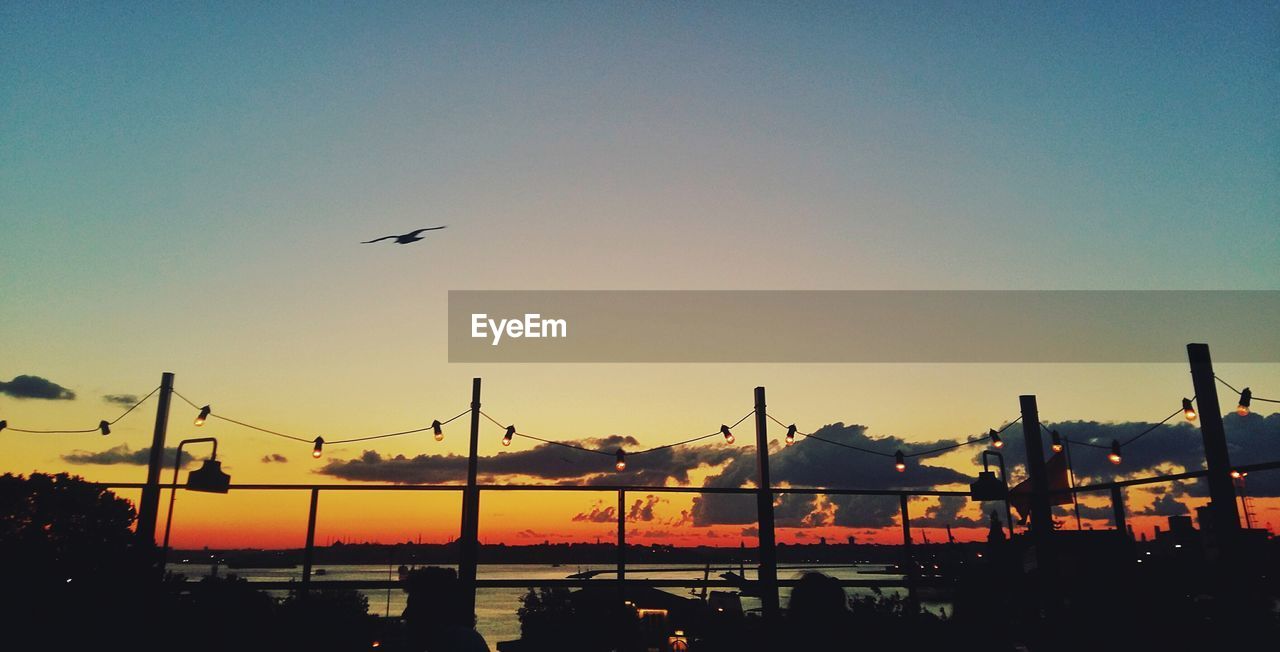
column 186, row 189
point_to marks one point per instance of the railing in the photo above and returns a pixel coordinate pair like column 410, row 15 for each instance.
column 909, row 581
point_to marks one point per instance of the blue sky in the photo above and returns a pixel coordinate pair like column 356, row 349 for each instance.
column 183, row 188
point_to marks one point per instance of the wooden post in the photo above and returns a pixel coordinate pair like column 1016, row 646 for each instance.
column 469, row 541
column 1222, row 493
column 1117, row 509
column 768, row 573
column 1041, row 516
column 149, row 505
column 308, row 553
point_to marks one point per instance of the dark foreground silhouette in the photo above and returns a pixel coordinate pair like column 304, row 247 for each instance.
column 76, row 578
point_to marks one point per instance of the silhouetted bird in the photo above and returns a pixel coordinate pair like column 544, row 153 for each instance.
column 411, row 236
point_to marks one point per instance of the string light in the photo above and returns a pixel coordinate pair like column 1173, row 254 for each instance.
column 511, row 432
column 104, row 427
column 996, row 441
column 204, row 414
column 791, row 434
column 1236, row 474
column 899, row 462
column 1114, row 456
column 437, row 430
column 1246, row 397
column 621, row 464
column 319, row 445
column 1188, row 410
column 728, row 436
column 1057, row 441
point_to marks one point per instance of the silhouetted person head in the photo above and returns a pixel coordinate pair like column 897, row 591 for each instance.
column 434, row 614
column 818, row 609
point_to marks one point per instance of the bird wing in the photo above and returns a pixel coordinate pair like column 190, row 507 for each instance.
column 434, row 228
column 389, row 237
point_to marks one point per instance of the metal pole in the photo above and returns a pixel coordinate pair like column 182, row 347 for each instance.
column 1117, row 508
column 469, row 541
column 622, row 544
column 149, row 505
column 1071, row 474
column 308, row 553
column 908, row 556
column 1222, row 494
column 177, row 463
column 768, row 573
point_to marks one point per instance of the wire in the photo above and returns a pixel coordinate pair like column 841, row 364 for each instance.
column 1254, row 397
column 1130, row 440
column 1073, row 441
column 308, row 441
column 607, row 453
column 87, row 430
column 930, row 451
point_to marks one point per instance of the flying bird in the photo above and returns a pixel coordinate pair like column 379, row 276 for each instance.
column 412, row 236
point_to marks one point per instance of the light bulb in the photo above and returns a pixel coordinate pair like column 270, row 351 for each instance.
column 1057, row 441
column 1114, row 455
column 315, row 452
column 791, row 434
column 437, row 430
column 996, row 442
column 204, row 414
column 1246, row 397
column 1188, row 410
column 728, row 436
column 899, row 462
column 511, row 432
column 104, row 427
column 621, row 464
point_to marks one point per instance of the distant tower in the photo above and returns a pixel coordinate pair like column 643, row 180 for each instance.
column 995, row 533
column 950, row 539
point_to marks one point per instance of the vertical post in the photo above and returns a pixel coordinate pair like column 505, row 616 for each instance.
column 1071, row 475
column 1046, row 571
column 908, row 557
column 308, row 553
column 1117, row 508
column 1222, row 494
column 149, row 505
column 1041, row 516
column 469, row 541
column 768, row 573
column 622, row 544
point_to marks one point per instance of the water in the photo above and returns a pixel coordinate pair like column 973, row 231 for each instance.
column 496, row 607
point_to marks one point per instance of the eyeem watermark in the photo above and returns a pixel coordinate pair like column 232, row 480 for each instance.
column 532, row 325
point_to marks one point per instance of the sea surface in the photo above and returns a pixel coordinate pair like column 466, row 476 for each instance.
column 496, row 607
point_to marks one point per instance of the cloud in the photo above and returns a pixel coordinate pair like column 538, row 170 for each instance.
column 274, row 457
column 422, row 469
column 36, row 387
column 543, row 461
column 123, row 455
column 123, row 400
column 1250, row 439
column 814, row 463
column 598, row 514
column 947, row 512
column 1165, row 505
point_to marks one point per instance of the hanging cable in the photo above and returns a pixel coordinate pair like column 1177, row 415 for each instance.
column 103, row 426
column 1242, row 393
column 931, row 451
column 206, row 411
